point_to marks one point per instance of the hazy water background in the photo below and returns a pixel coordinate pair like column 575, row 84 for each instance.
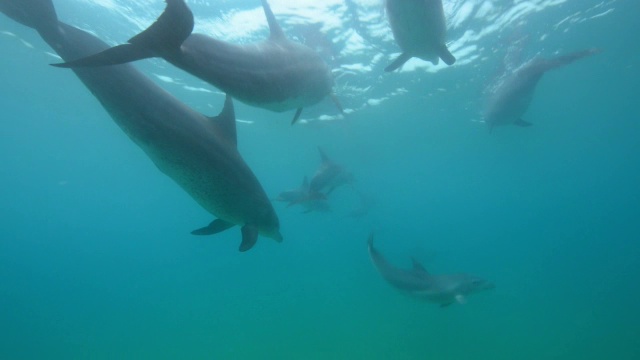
column 96, row 259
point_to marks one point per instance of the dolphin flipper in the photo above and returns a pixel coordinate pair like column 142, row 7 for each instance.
column 522, row 123
column 163, row 37
column 399, row 61
column 214, row 227
column 249, row 237
column 296, row 116
column 446, row 55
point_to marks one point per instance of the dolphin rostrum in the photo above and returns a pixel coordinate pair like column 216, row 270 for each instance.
column 419, row 27
column 197, row 152
column 276, row 74
column 418, row 282
column 510, row 99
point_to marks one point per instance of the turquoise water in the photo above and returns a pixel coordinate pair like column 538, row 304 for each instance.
column 96, row 259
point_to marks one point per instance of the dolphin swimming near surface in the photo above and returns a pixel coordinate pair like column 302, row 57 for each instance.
column 512, row 96
column 418, row 282
column 197, row 152
column 305, row 197
column 329, row 175
column 419, row 27
column 276, row 74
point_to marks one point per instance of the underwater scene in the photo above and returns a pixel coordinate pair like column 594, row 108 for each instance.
column 330, row 179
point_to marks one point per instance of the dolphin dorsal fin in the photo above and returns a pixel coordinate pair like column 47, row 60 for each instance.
column 325, row 159
column 274, row 27
column 225, row 122
column 417, row 267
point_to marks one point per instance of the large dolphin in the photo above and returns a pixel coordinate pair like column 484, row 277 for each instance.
column 511, row 98
column 197, row 152
column 329, row 175
column 420, row 29
column 310, row 200
column 418, row 282
column 276, row 74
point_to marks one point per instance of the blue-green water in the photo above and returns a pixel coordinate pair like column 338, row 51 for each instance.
column 96, row 259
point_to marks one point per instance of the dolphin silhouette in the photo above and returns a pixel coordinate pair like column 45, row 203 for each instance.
column 329, row 175
column 276, row 74
column 310, row 200
column 197, row 152
column 418, row 282
column 514, row 93
column 420, row 29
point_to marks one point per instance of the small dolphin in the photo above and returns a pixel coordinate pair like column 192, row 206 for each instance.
column 329, row 175
column 305, row 197
column 512, row 97
column 276, row 74
column 420, row 29
column 417, row 282
column 197, row 152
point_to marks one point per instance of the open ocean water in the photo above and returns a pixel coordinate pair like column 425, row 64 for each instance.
column 96, row 259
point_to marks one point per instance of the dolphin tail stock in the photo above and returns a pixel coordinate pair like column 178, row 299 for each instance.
column 37, row 14
column 550, row 64
column 163, row 37
column 446, row 55
column 398, row 62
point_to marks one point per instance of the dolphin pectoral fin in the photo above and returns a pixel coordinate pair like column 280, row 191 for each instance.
column 249, row 237
column 296, row 116
column 446, row 55
column 113, row 56
column 461, row 299
column 522, row 123
column 335, row 100
column 214, row 227
column 399, row 61
column 417, row 267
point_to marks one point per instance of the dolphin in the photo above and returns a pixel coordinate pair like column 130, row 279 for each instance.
column 305, row 197
column 329, row 175
column 420, row 29
column 276, row 74
column 418, row 282
column 199, row 153
column 512, row 96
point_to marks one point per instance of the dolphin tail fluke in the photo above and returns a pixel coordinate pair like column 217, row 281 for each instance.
column 296, row 116
column 214, row 227
column 398, row 62
column 37, row 14
column 249, row 237
column 446, row 55
column 563, row 60
column 120, row 54
column 163, row 37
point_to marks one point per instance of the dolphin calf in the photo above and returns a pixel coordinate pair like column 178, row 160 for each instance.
column 512, row 96
column 329, row 175
column 305, row 197
column 418, row 282
column 197, row 152
column 276, row 74
column 420, row 29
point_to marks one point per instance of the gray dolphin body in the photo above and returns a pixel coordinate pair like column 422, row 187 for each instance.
column 512, row 97
column 419, row 27
column 197, row 152
column 276, row 74
column 417, row 282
